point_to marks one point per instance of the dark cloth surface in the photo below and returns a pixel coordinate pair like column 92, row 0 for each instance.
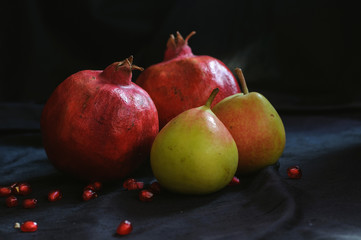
column 323, row 204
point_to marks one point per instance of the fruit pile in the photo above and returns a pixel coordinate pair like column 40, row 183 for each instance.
column 187, row 115
column 101, row 126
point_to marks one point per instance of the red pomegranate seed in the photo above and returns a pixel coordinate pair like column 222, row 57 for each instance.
column 155, row 187
column 29, row 203
column 127, row 182
column 89, row 194
column 11, row 201
column 294, row 172
column 95, row 186
column 132, row 186
column 89, row 187
column 54, row 195
column 124, row 228
column 5, row 191
column 140, row 185
column 234, row 181
column 22, row 189
column 29, row 226
column 146, row 196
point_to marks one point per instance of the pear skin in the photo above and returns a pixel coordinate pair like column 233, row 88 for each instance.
column 194, row 153
column 255, row 126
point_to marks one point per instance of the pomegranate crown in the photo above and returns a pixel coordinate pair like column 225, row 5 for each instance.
column 178, row 46
column 121, row 72
column 128, row 62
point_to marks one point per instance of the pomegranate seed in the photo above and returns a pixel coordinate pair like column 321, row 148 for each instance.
column 22, row 189
column 89, row 187
column 140, row 185
column 89, row 194
column 294, row 172
column 132, row 186
column 5, row 191
column 54, row 195
column 127, row 182
column 146, row 196
column 11, row 201
column 124, row 228
column 234, row 181
column 155, row 187
column 29, row 226
column 29, row 203
column 95, row 186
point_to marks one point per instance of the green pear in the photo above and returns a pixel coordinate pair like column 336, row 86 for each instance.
column 255, row 126
column 194, row 153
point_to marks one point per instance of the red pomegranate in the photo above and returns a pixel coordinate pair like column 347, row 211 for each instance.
column 98, row 125
column 183, row 80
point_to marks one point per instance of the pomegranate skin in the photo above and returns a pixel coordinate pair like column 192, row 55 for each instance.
column 184, row 80
column 98, row 125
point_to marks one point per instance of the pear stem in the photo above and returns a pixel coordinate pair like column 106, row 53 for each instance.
column 242, row 80
column 211, row 97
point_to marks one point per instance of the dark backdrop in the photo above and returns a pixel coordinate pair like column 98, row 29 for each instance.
column 298, row 53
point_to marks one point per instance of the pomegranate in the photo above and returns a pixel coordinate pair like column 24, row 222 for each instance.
column 98, row 125
column 183, row 80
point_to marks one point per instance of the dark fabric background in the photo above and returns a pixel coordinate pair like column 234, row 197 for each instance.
column 297, row 52
column 304, row 56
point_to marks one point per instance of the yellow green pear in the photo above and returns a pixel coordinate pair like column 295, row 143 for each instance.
column 194, row 153
column 255, row 126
